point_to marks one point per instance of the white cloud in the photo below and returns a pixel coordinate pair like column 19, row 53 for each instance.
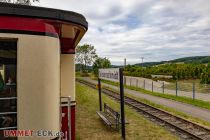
column 157, row 30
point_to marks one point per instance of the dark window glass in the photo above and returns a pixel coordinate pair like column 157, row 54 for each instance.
column 8, row 81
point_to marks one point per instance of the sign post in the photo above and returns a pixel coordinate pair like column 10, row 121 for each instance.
column 122, row 103
column 116, row 75
column 99, row 93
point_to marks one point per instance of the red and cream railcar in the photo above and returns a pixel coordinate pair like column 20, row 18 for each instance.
column 37, row 71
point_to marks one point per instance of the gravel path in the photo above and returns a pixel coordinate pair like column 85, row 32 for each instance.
column 191, row 110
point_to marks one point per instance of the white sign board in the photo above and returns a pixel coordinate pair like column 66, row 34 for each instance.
column 112, row 74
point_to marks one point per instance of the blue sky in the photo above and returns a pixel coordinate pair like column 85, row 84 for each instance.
column 154, row 29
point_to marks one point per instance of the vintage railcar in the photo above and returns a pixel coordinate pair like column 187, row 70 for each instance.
column 37, row 70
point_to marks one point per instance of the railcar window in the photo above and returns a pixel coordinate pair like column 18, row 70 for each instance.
column 8, row 94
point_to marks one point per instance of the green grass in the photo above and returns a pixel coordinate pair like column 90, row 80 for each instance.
column 90, row 127
column 195, row 102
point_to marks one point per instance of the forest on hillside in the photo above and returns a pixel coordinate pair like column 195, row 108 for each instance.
column 186, row 60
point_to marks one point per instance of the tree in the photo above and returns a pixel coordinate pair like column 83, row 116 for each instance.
column 85, row 55
column 208, row 66
column 205, row 76
column 100, row 63
column 23, row 2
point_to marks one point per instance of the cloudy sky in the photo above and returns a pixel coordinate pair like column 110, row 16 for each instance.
column 154, row 29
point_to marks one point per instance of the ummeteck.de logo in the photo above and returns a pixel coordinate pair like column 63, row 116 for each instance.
column 31, row 133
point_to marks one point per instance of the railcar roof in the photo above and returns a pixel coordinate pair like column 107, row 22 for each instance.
column 41, row 12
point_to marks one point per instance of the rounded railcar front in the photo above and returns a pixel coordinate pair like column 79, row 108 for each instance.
column 37, row 72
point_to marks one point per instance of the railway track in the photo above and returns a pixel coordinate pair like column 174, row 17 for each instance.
column 183, row 128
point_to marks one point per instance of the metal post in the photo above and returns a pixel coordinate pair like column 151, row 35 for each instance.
column 122, row 103
column 176, row 88
column 69, row 116
column 144, row 84
column 163, row 87
column 137, row 82
column 130, row 81
column 152, row 86
column 193, row 91
column 99, row 93
column 125, row 81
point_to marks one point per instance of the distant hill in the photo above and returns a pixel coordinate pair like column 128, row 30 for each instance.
column 193, row 59
column 117, row 66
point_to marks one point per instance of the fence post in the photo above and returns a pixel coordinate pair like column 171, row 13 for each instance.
column 136, row 82
column 176, row 88
column 130, row 81
column 152, row 86
column 193, row 91
column 163, row 87
column 144, row 84
column 125, row 80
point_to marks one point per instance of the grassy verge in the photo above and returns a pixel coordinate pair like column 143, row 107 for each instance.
column 196, row 102
column 90, row 127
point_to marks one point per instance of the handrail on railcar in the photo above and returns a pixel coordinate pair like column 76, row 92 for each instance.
column 69, row 113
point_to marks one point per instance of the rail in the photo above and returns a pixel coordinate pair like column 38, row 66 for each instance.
column 5, row 115
column 9, row 98
column 8, row 128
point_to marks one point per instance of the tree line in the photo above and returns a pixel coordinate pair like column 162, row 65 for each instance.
column 88, row 61
column 177, row 71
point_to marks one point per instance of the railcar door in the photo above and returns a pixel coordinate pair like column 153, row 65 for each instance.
column 8, row 94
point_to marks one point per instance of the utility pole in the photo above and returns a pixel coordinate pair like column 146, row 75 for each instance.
column 124, row 78
column 142, row 58
column 124, row 62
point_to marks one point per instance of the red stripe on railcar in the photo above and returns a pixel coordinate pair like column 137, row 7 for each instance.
column 26, row 24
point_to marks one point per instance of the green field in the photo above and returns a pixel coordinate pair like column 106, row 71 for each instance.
column 90, row 127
